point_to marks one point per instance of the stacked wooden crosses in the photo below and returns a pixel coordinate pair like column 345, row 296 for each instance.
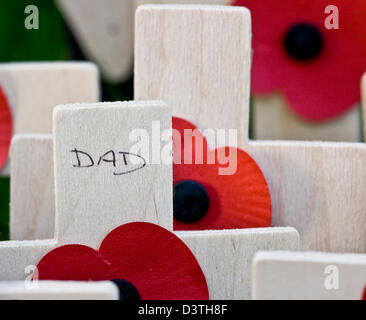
column 118, row 202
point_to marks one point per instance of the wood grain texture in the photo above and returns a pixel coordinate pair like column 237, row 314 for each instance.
column 274, row 120
column 15, row 256
column 32, row 197
column 225, row 256
column 308, row 276
column 104, row 30
column 91, row 202
column 197, row 59
column 58, row 290
column 319, row 189
column 34, row 89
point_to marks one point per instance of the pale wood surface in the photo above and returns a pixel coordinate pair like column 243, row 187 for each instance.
column 274, row 120
column 197, row 59
column 225, row 256
column 15, row 256
column 58, row 290
column 34, row 89
column 104, row 30
column 92, row 202
column 318, row 188
column 305, row 276
column 32, row 196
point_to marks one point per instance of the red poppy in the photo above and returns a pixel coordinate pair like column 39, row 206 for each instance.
column 364, row 294
column 318, row 70
column 238, row 200
column 5, row 128
column 155, row 261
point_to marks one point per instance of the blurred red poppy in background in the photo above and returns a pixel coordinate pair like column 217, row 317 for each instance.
column 6, row 128
column 316, row 68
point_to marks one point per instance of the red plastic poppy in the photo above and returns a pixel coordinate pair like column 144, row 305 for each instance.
column 153, row 259
column 240, row 200
column 324, row 87
column 6, row 128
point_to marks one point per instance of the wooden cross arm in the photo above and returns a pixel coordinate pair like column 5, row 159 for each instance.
column 308, row 276
column 225, row 256
column 16, row 256
column 319, row 189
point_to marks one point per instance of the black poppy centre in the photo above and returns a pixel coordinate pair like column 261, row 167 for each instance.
column 304, row 42
column 190, row 201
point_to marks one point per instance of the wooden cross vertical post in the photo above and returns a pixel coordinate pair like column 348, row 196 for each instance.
column 197, row 58
column 32, row 188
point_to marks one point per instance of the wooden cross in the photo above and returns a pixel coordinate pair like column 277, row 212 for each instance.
column 197, row 58
column 308, row 276
column 33, row 89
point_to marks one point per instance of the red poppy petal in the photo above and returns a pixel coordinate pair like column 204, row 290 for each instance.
column 153, row 259
column 6, row 128
column 159, row 264
column 241, row 200
column 364, row 294
column 74, row 263
column 317, row 90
